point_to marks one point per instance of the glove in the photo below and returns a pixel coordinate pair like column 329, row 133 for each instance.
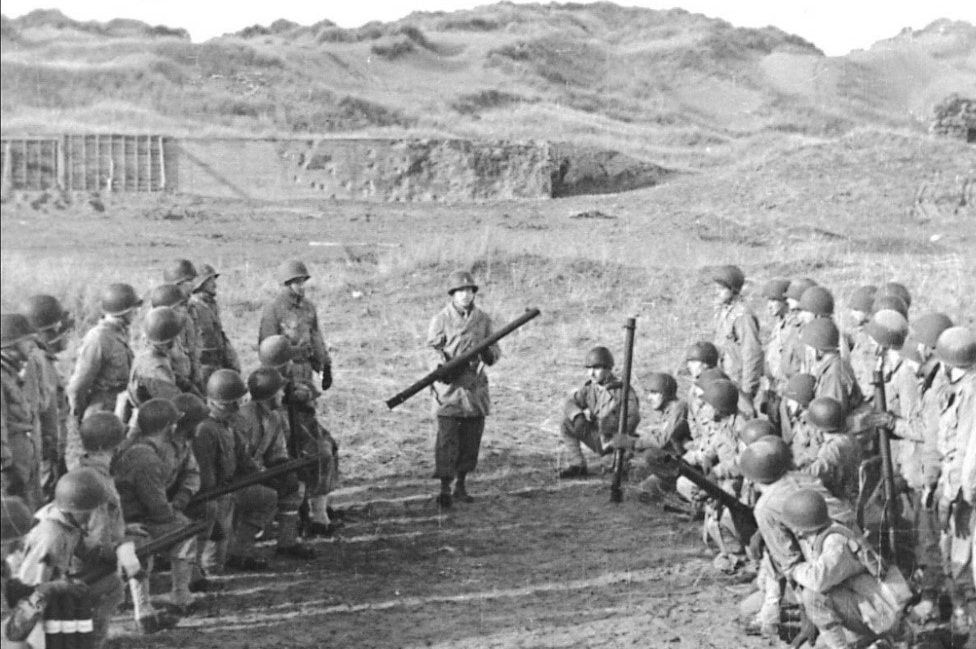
column 449, row 378
column 326, row 377
column 487, row 357
column 181, row 500
column 128, row 562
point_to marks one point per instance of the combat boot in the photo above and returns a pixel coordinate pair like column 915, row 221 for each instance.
column 158, row 621
column 574, row 471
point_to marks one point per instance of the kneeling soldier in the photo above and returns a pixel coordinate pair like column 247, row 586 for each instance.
column 591, row 412
column 667, row 432
column 142, row 471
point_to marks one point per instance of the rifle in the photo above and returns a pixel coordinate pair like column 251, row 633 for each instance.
column 152, row 547
column 742, row 516
column 255, row 478
column 458, row 362
column 884, row 446
column 616, row 490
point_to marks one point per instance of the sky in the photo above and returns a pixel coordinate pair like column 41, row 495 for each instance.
column 835, row 26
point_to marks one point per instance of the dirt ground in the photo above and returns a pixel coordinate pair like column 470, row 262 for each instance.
column 532, row 563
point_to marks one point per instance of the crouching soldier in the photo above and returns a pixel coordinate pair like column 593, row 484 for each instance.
column 266, row 435
column 141, row 475
column 667, row 432
column 839, row 456
column 55, row 546
column 591, row 412
column 803, row 438
column 838, row 578
column 309, row 437
column 221, row 452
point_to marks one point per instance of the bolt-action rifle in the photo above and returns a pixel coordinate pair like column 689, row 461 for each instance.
column 887, row 469
column 742, row 517
column 458, row 363
column 149, row 548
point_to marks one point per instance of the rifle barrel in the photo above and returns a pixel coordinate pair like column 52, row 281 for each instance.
column 255, row 478
column 887, row 466
column 616, row 489
column 448, row 368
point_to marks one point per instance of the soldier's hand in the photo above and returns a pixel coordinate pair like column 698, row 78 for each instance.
column 326, row 377
column 880, row 420
column 488, row 356
column 128, row 562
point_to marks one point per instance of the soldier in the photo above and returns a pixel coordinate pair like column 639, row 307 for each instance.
column 20, row 455
column 183, row 275
column 56, row 546
column 266, row 433
column 142, row 474
column 895, row 289
column 803, row 437
column 183, row 357
column 292, row 315
column 834, row 376
column 216, row 352
column 103, row 365
column 101, row 434
column 153, row 376
column 700, row 358
column 773, row 379
column 737, row 335
column 221, row 452
column 956, row 349
column 834, row 578
column 790, row 361
column 51, row 322
column 667, row 432
column 591, row 414
column 863, row 349
column 839, row 456
column 460, row 402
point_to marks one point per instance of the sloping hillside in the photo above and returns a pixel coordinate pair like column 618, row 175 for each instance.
column 652, row 83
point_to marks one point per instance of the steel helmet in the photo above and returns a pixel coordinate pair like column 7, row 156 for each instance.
column 711, row 374
column 766, row 460
column 703, row 351
column 101, row 431
column 15, row 519
column 460, row 279
column 818, row 301
column 755, row 429
column 43, row 312
column 893, row 302
column 956, row 347
column 730, row 277
column 599, row 357
column 898, row 290
column 862, row 299
column 225, row 385
column 192, row 409
column 118, row 299
column 264, row 383
column 274, row 351
column 888, row 328
column 722, row 395
column 167, row 295
column 14, row 328
column 162, row 325
column 663, row 383
column 156, row 415
column 928, row 327
column 801, row 388
column 827, row 414
column 206, row 272
column 805, row 511
column 291, row 270
column 797, row 286
column 821, row 334
column 80, row 490
column 775, row 289
column 181, row 270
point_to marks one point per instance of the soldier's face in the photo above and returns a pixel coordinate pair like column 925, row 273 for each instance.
column 723, row 294
column 792, row 304
column 209, row 286
column 598, row 374
column 695, row 368
column 656, row 399
column 22, row 350
column 805, row 316
column 792, row 407
column 775, row 308
column 463, row 298
column 297, row 287
column 708, row 412
column 858, row 317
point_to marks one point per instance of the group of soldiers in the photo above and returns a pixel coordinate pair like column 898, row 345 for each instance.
column 784, row 416
column 135, row 446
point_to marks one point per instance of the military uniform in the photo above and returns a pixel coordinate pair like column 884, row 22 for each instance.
column 835, row 379
column 216, row 352
column 52, row 407
column 294, row 317
column 101, row 373
column 462, row 404
column 804, row 439
column 307, row 436
column 957, row 442
column 153, row 377
column 740, row 350
column 21, row 446
column 774, row 350
column 836, row 464
column 791, row 358
column 602, row 401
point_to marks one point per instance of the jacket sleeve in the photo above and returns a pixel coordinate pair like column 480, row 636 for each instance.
column 150, row 488
column 494, row 352
column 87, row 367
column 187, row 481
column 205, row 450
column 269, row 322
column 967, row 422
column 436, row 339
column 836, row 564
column 747, row 332
column 319, row 351
column 575, row 403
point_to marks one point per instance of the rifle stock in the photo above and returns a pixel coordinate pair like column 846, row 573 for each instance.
column 255, row 478
column 742, row 516
column 616, row 489
column 456, row 363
